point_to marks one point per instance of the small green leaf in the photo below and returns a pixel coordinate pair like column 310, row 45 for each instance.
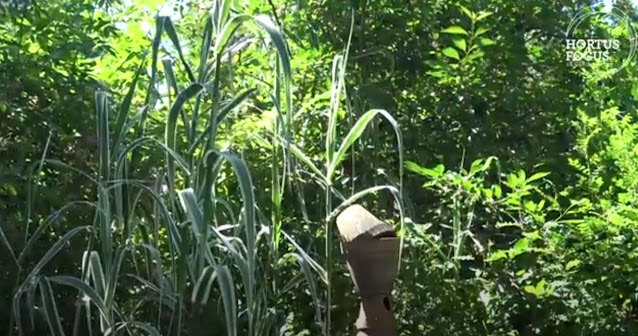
column 476, row 55
column 433, row 172
column 467, row 12
column 488, row 193
column 460, row 43
column 456, row 30
column 531, row 290
column 451, row 53
column 542, row 287
column 498, row 255
column 11, row 190
column 572, row 264
column 521, row 245
column 487, row 42
column 482, row 15
column 513, row 181
column 480, row 31
column 532, row 236
column 476, row 166
column 537, row 176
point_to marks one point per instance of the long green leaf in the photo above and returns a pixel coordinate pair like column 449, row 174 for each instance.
column 222, row 12
column 32, row 184
column 45, row 225
column 85, row 289
column 7, row 245
column 143, row 140
column 119, row 131
column 207, row 277
column 57, row 247
column 321, row 272
column 312, row 286
column 207, row 40
column 248, row 198
column 154, row 288
column 171, row 81
column 238, row 100
column 246, row 267
column 335, row 97
column 115, row 330
column 189, row 203
column 97, row 273
column 278, row 40
column 112, row 279
column 199, row 227
column 305, row 159
column 71, row 168
column 102, row 110
column 355, row 134
column 151, row 92
column 223, row 112
column 361, row 194
column 171, row 126
column 227, row 289
column 50, row 308
column 172, row 35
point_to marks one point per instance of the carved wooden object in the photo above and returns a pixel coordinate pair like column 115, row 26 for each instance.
column 371, row 249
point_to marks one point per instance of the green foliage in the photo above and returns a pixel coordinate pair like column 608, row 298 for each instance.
column 507, row 255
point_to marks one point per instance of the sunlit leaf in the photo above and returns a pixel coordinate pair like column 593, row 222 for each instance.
column 457, row 30
column 451, row 53
column 460, row 43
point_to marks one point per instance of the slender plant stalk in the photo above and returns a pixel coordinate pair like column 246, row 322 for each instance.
column 328, row 228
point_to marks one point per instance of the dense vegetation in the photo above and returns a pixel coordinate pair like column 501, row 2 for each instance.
column 175, row 168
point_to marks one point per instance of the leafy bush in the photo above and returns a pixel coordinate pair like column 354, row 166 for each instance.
column 503, row 258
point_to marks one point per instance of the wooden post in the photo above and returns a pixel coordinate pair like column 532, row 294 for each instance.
column 371, row 248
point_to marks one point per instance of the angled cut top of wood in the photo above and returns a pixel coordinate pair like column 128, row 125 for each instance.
column 355, row 222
